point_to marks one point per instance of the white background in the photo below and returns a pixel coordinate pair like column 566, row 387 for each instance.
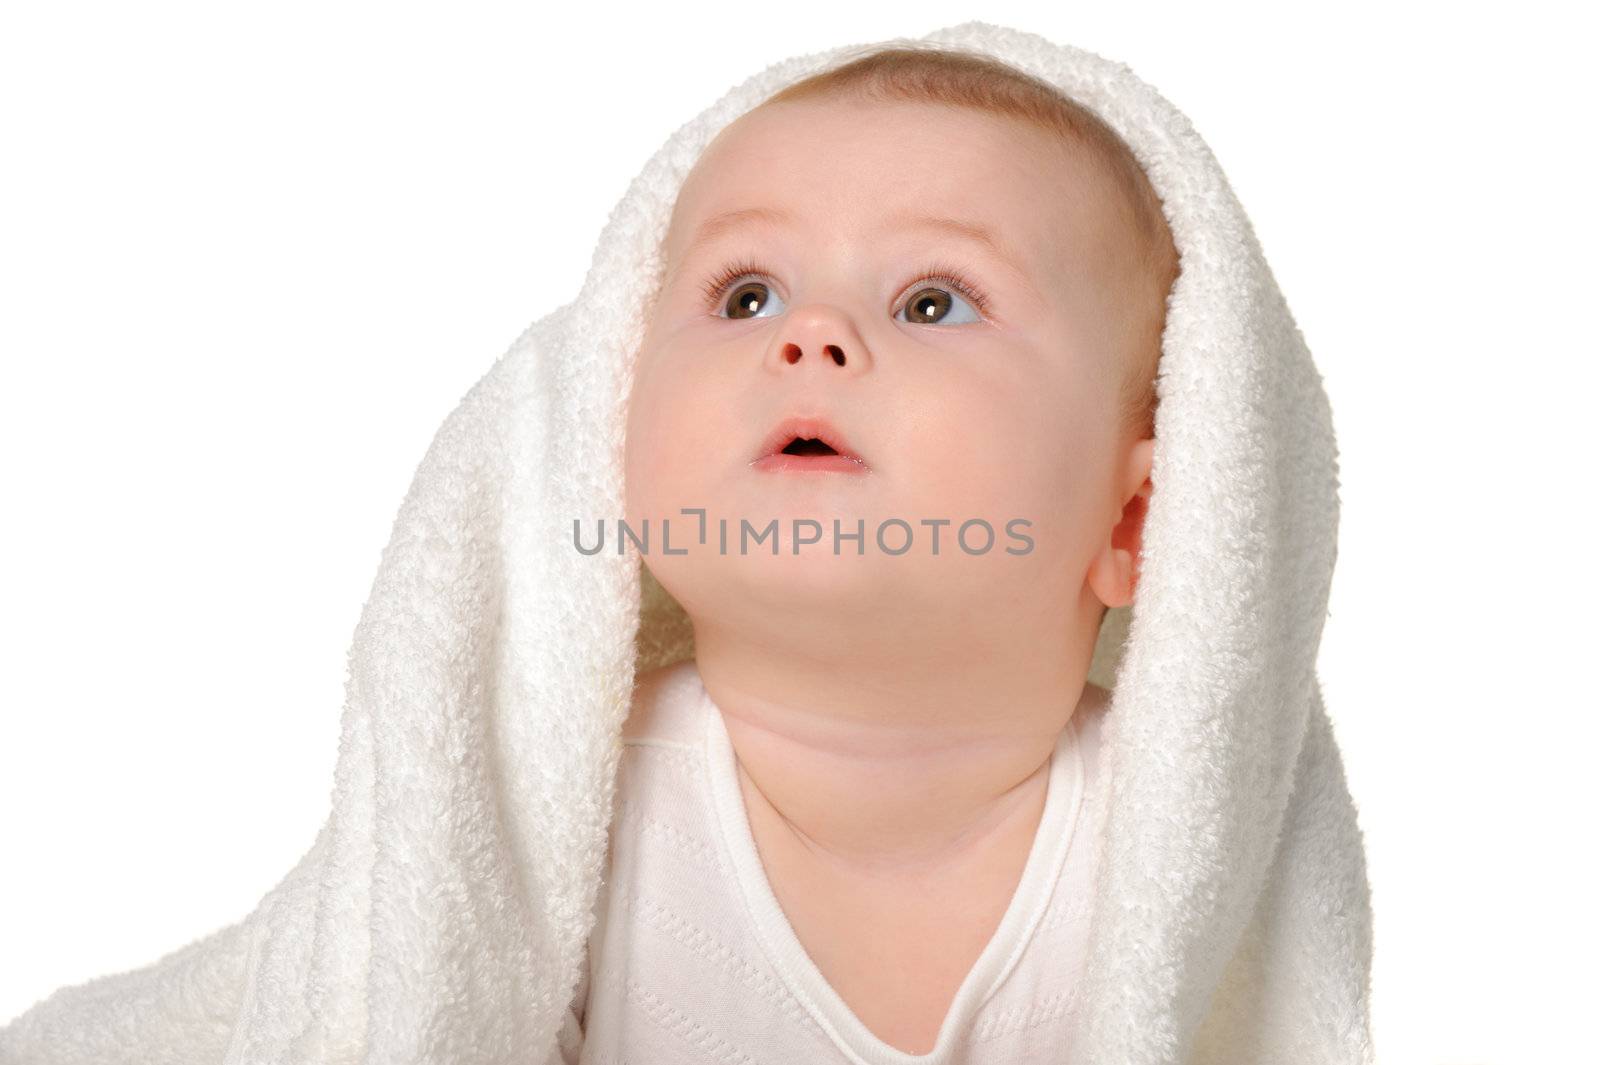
column 249, row 260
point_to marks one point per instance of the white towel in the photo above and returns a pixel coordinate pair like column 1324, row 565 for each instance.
column 441, row 914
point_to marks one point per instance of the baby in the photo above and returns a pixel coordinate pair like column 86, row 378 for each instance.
column 819, row 774
column 910, row 312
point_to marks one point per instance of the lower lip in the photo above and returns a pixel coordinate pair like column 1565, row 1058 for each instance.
column 809, row 464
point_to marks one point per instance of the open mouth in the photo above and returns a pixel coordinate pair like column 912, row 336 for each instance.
column 807, row 444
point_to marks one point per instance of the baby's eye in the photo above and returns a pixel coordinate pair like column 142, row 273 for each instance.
column 952, row 301
column 931, row 304
column 749, row 300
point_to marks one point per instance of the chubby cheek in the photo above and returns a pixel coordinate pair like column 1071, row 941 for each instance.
column 685, row 441
column 1005, row 450
column 679, row 439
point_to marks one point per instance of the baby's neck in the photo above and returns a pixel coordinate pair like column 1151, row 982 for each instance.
column 881, row 780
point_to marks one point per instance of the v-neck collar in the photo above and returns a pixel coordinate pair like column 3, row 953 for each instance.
column 1063, row 799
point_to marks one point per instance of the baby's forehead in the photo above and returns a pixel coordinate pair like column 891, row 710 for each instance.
column 830, row 169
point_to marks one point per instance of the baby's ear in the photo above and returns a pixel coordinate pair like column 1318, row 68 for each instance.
column 1115, row 573
column 1136, row 467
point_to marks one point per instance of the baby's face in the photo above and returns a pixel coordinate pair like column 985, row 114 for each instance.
column 994, row 402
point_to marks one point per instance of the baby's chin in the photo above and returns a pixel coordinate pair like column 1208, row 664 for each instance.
column 774, row 594
column 759, row 592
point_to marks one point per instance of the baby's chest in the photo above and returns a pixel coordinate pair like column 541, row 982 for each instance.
column 897, row 966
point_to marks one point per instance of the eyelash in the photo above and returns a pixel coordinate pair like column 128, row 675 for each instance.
column 716, row 286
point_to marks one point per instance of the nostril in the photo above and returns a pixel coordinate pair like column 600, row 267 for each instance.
column 791, row 354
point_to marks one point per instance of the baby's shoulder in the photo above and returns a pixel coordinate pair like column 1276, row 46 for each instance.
column 1089, row 719
column 667, row 706
column 1094, row 701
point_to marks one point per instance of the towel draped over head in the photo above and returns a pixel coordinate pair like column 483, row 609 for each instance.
column 441, row 913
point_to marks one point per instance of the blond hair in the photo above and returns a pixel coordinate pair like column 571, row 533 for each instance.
column 938, row 75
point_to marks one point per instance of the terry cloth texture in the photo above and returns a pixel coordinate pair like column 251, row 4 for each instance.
column 442, row 912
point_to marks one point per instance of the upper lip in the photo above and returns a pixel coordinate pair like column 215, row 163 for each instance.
column 814, row 427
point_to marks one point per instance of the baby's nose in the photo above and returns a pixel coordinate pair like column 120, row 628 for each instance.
column 817, row 338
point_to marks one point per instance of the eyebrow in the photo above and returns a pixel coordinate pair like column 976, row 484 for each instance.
column 724, row 222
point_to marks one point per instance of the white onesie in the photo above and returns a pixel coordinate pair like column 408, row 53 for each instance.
column 693, row 961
